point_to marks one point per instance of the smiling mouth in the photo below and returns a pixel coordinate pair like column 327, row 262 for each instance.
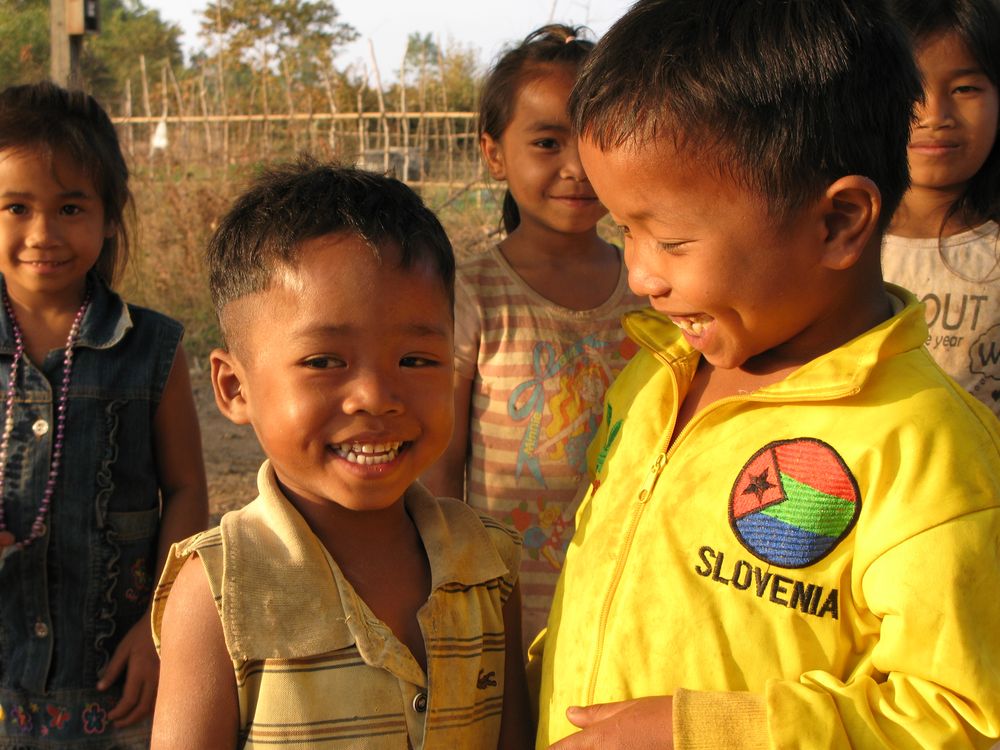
column 45, row 263
column 368, row 454
column 694, row 325
column 933, row 146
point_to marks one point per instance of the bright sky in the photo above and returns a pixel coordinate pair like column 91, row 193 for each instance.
column 484, row 25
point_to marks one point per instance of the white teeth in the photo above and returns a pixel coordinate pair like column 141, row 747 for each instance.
column 694, row 326
column 368, row 454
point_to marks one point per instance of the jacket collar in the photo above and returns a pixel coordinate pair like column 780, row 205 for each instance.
column 835, row 374
column 105, row 323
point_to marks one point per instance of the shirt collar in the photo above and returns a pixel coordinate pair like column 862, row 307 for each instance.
column 296, row 607
column 105, row 323
column 835, row 374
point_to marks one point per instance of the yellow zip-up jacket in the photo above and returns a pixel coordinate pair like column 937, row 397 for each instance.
column 815, row 564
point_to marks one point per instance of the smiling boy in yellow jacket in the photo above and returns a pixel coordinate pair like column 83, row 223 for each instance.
column 791, row 537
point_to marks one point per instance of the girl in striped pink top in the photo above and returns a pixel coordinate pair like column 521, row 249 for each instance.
column 537, row 332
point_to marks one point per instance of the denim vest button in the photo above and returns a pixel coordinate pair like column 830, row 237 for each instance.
column 420, row 702
column 40, row 427
column 41, row 629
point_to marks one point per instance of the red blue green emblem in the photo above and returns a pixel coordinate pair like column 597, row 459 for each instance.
column 793, row 502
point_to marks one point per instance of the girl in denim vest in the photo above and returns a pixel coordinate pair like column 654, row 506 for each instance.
column 100, row 453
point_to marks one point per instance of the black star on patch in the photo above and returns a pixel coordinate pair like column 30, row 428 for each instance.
column 759, row 485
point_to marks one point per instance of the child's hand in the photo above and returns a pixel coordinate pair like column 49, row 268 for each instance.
column 635, row 724
column 136, row 655
column 6, row 539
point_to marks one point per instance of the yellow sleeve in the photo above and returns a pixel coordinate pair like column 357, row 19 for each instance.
column 934, row 676
column 936, row 665
column 208, row 546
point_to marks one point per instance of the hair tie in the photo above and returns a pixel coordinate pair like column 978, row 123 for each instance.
column 569, row 39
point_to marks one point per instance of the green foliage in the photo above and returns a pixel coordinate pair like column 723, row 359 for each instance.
column 128, row 29
column 261, row 33
column 24, row 29
column 447, row 78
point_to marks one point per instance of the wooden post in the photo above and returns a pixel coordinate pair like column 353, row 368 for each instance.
column 422, row 146
column 447, row 120
column 181, row 109
column 328, row 84
column 147, row 110
column 223, row 104
column 65, row 56
column 129, row 142
column 204, row 112
column 361, row 120
column 290, row 105
column 404, row 121
column 381, row 109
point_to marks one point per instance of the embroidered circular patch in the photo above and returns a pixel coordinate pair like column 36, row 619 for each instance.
column 793, row 502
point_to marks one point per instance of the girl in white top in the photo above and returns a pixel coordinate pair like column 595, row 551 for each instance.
column 944, row 241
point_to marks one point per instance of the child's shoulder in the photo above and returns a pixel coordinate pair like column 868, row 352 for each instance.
column 464, row 536
column 111, row 321
column 155, row 317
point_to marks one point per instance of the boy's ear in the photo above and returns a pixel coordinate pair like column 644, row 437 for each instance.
column 493, row 156
column 851, row 209
column 228, row 386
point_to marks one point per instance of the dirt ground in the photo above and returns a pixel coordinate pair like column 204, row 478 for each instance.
column 232, row 454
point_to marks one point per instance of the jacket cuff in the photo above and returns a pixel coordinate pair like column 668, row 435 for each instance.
column 710, row 720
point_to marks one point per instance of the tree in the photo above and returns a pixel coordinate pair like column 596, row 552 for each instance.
column 257, row 45
column 128, row 29
column 276, row 36
column 24, row 28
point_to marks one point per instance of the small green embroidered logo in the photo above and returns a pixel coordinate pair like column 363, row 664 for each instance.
column 613, row 429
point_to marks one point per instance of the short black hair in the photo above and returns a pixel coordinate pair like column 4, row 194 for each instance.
column 785, row 96
column 292, row 203
column 977, row 23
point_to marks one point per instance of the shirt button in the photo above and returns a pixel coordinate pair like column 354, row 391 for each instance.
column 40, row 427
column 41, row 629
column 420, row 702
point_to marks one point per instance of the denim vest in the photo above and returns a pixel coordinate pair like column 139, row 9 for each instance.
column 68, row 598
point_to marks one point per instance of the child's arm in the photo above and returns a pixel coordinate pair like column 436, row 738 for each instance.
column 181, row 474
column 197, row 705
column 516, row 731
column 446, row 478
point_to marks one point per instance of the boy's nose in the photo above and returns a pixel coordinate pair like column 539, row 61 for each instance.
column 642, row 279
column 372, row 393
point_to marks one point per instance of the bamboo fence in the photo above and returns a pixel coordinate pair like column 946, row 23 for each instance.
column 191, row 125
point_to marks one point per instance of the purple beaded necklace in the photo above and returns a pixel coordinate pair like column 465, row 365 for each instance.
column 38, row 526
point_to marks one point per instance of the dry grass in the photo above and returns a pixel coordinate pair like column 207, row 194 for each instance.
column 179, row 209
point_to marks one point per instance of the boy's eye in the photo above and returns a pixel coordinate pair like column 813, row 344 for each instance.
column 547, row 143
column 967, row 89
column 670, row 246
column 323, row 363
column 415, row 360
column 16, row 208
column 70, row 210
